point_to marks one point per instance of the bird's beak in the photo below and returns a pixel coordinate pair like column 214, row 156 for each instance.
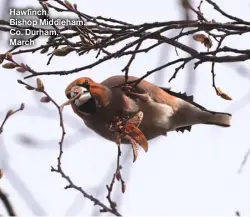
column 84, row 95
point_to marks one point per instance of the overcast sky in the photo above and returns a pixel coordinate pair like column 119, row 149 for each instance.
column 191, row 174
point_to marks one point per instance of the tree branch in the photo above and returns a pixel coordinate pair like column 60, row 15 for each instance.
column 8, row 114
column 59, row 169
column 7, row 204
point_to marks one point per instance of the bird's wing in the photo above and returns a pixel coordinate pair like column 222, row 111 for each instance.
column 157, row 94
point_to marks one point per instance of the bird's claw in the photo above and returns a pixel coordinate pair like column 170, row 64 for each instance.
column 127, row 88
column 128, row 127
column 130, row 91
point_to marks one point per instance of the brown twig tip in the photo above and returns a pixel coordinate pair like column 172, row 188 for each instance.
column 10, row 113
column 1, row 173
column 22, row 106
column 20, row 82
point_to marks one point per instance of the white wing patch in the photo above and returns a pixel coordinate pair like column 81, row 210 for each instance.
column 162, row 114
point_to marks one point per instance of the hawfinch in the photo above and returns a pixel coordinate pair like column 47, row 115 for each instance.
column 158, row 110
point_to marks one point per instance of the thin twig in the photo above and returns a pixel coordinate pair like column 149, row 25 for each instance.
column 10, row 113
column 7, row 204
column 59, row 168
column 116, row 174
column 243, row 163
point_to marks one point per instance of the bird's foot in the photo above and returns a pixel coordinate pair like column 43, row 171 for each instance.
column 119, row 122
column 130, row 91
column 141, row 96
column 128, row 128
column 127, row 88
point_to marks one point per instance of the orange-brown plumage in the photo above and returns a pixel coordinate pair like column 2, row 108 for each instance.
column 163, row 110
column 97, row 90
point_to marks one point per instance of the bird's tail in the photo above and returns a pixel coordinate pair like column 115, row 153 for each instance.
column 217, row 118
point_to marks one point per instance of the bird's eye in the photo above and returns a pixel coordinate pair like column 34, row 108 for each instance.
column 68, row 95
column 86, row 84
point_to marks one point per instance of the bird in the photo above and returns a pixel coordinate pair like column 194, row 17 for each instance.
column 157, row 110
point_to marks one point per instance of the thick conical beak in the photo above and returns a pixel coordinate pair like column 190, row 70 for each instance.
column 85, row 96
column 74, row 91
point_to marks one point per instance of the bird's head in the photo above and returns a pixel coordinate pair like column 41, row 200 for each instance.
column 92, row 94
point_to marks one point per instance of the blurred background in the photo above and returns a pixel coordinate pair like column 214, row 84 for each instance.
column 191, row 174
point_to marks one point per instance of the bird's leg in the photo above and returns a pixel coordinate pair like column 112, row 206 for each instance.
column 129, row 90
column 142, row 96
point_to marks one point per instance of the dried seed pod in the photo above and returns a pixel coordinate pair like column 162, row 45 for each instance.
column 223, row 95
column 204, row 40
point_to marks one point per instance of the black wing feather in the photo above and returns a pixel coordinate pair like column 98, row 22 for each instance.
column 189, row 99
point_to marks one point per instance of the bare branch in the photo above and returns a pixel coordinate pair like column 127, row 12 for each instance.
column 98, row 34
column 117, row 175
column 10, row 113
column 244, row 161
column 59, row 169
column 7, row 204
